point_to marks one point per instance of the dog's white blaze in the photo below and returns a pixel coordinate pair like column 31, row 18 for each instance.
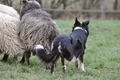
column 51, row 46
column 80, row 28
column 82, row 67
column 74, row 58
column 59, row 47
column 38, row 47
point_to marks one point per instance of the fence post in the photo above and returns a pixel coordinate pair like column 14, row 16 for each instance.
column 102, row 10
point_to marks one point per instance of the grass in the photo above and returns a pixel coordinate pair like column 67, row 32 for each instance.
column 102, row 59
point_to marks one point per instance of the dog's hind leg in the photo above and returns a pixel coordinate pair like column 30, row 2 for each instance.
column 52, row 67
column 81, row 62
column 77, row 63
column 63, row 65
column 54, row 63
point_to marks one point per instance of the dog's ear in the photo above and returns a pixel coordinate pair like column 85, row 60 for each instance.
column 77, row 23
column 85, row 23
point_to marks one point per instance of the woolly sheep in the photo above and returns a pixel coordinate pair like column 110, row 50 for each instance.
column 36, row 27
column 8, row 10
column 9, row 41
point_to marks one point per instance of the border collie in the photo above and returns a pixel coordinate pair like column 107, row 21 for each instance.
column 69, row 47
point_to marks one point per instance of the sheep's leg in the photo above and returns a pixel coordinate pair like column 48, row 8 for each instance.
column 22, row 60
column 0, row 51
column 63, row 65
column 15, row 57
column 5, row 57
column 26, row 57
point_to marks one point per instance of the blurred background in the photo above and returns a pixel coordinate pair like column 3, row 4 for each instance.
column 83, row 9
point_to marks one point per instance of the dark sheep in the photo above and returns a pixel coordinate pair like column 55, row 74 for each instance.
column 36, row 27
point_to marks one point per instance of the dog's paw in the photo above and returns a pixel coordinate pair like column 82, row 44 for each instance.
column 77, row 63
column 64, row 68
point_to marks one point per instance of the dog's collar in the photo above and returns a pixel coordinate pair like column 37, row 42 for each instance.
column 80, row 28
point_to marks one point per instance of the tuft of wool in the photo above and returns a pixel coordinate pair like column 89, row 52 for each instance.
column 8, row 10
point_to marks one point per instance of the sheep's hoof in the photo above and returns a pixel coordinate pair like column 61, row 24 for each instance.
column 5, row 57
column 3, row 61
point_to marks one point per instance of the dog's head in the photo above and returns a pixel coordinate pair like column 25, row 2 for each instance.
column 83, row 26
column 26, row 5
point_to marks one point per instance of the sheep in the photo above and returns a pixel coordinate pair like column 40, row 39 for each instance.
column 8, row 10
column 36, row 27
column 9, row 41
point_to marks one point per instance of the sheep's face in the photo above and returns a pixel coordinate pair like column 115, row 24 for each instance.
column 27, row 5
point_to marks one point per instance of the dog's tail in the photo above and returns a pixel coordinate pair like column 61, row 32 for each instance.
column 40, row 52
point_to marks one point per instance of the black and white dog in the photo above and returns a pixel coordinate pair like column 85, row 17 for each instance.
column 70, row 47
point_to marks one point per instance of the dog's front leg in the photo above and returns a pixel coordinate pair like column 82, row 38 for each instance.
column 81, row 62
column 52, row 67
column 54, row 63
column 63, row 65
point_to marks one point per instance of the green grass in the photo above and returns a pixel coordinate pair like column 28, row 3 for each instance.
column 102, row 57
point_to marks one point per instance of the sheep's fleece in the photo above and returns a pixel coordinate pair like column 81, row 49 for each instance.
column 8, row 10
column 9, row 41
